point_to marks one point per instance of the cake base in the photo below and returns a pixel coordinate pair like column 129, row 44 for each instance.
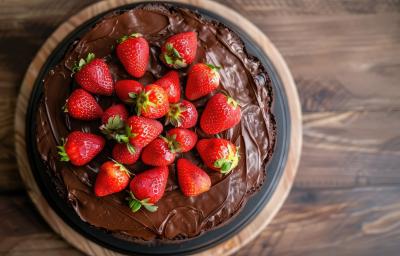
column 289, row 119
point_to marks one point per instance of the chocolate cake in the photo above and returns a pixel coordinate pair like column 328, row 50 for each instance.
column 178, row 217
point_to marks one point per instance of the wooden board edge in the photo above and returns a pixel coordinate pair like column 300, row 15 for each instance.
column 245, row 235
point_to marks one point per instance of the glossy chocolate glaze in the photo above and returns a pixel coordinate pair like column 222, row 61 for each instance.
column 178, row 217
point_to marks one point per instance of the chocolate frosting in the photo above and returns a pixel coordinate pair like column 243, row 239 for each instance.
column 178, row 217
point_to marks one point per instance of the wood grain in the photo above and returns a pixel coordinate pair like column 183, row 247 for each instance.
column 349, row 91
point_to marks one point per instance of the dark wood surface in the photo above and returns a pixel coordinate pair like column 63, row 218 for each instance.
column 345, row 58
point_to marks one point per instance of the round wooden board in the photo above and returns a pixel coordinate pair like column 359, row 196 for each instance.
column 283, row 187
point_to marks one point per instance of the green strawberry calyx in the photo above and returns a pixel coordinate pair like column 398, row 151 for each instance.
column 232, row 102
column 143, row 102
column 114, row 123
column 172, row 57
column 215, row 72
column 227, row 164
column 213, row 67
column 82, row 62
column 135, row 204
column 126, row 37
column 173, row 145
column 62, row 153
column 116, row 129
column 174, row 114
column 121, row 167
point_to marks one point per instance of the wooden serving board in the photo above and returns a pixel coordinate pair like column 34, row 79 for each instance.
column 283, row 186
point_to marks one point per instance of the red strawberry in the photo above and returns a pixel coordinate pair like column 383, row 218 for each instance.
column 202, row 79
column 218, row 154
column 221, row 113
column 124, row 154
column 93, row 75
column 83, row 106
column 192, row 179
column 183, row 114
column 143, row 130
column 133, row 51
column 179, row 50
column 182, row 140
column 113, row 177
column 80, row 147
column 152, row 102
column 113, row 120
column 147, row 188
column 170, row 83
column 127, row 90
column 158, row 153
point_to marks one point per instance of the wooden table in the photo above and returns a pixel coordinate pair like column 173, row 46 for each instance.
column 345, row 58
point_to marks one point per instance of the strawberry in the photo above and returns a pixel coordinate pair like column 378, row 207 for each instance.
column 142, row 130
column 202, row 79
column 113, row 120
column 182, row 140
column 133, row 52
column 182, row 114
column 93, row 75
column 170, row 83
column 179, row 50
column 83, row 106
column 218, row 154
column 192, row 179
column 158, row 153
column 127, row 90
column 80, row 147
column 147, row 188
column 123, row 153
column 152, row 102
column 113, row 177
column 221, row 113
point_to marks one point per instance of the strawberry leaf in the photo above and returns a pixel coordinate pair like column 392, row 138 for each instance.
column 121, row 138
column 115, row 123
column 225, row 165
column 82, row 62
column 62, row 153
column 134, row 205
column 174, row 114
column 132, row 95
column 214, row 68
column 232, row 102
column 173, row 57
column 130, row 148
column 150, row 208
column 168, row 59
column 121, row 167
column 90, row 57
